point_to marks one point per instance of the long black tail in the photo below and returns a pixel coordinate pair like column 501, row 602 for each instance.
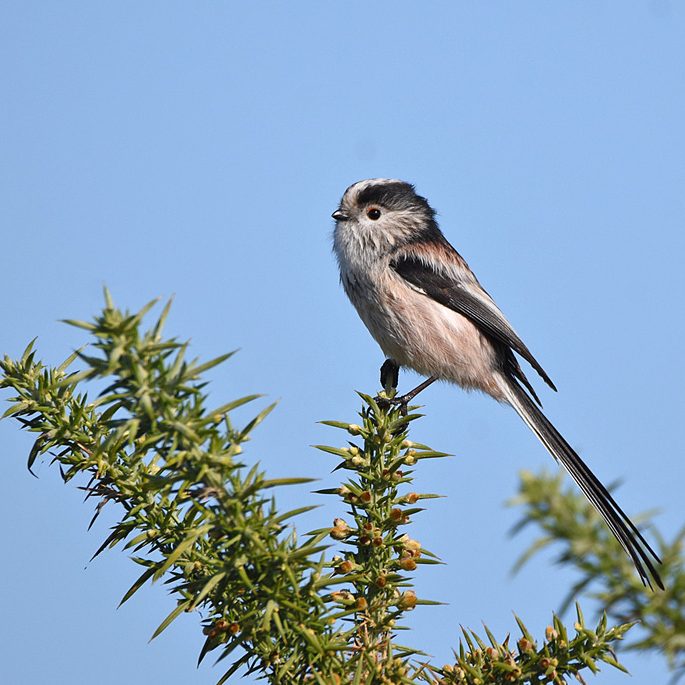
column 621, row 526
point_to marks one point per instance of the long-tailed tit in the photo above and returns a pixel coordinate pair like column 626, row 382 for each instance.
column 427, row 311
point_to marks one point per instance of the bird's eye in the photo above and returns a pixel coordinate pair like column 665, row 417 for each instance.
column 373, row 214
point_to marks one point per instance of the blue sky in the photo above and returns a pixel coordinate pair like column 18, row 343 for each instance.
column 198, row 149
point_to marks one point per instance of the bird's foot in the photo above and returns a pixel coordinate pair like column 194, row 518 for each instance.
column 386, row 401
column 390, row 376
column 388, row 398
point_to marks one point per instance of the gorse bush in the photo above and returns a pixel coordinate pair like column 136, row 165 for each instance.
column 567, row 521
column 324, row 607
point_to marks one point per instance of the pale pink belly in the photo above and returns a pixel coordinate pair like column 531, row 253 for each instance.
column 422, row 334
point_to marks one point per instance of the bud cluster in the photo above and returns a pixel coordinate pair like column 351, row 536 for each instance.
column 207, row 525
column 477, row 663
column 380, row 554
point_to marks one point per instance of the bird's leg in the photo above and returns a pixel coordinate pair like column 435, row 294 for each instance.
column 390, row 375
column 405, row 399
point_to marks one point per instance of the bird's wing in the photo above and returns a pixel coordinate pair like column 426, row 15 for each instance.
column 466, row 297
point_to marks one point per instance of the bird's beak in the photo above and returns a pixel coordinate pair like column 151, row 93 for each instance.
column 339, row 215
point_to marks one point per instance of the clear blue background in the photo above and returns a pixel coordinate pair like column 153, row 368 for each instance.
column 198, row 149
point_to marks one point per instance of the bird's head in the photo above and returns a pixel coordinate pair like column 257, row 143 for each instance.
column 381, row 213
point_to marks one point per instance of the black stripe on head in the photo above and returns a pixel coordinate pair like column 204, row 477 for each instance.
column 394, row 195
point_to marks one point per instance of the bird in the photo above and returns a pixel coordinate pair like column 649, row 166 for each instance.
column 427, row 311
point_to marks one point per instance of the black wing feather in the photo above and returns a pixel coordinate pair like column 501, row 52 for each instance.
column 456, row 296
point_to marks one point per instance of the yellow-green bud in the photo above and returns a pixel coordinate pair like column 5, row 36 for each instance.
column 413, row 547
column 343, row 597
column 396, row 515
column 345, row 566
column 407, row 600
column 407, row 564
column 340, row 529
column 525, row 645
column 547, row 663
